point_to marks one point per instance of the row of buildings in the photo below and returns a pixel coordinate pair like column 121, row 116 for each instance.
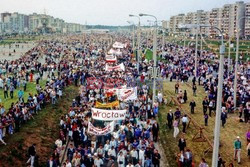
column 224, row 18
column 35, row 23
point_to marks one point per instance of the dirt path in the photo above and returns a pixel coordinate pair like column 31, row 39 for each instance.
column 43, row 131
column 160, row 149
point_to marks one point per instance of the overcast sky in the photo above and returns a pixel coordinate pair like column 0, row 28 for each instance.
column 109, row 12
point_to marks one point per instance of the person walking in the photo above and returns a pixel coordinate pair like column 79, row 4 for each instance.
column 237, row 149
column 192, row 105
column 32, row 154
column 184, row 121
column 176, row 129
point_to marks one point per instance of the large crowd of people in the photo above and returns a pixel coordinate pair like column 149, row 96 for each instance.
column 102, row 71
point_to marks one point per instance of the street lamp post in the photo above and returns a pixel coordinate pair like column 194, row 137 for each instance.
column 196, row 53
column 133, row 29
column 218, row 105
column 219, row 98
column 236, row 60
column 154, row 55
column 138, row 42
column 163, row 38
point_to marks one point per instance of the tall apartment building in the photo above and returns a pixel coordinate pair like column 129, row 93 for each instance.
column 35, row 23
column 215, row 19
column 175, row 21
column 225, row 18
column 14, row 22
column 247, row 21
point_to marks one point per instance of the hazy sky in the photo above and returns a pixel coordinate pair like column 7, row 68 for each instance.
column 109, row 12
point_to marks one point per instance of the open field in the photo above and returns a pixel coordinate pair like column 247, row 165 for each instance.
column 43, row 131
column 232, row 129
column 213, row 45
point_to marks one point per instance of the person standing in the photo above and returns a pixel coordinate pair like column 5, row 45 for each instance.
column 205, row 104
column 223, row 117
column 12, row 91
column 203, row 163
column 182, row 143
column 156, row 158
column 5, row 88
column 192, row 105
column 248, row 150
column 155, row 130
column 206, row 119
column 194, row 89
column 184, row 123
column 170, row 118
column 185, row 96
column 177, row 87
column 121, row 160
column 176, row 129
column 237, row 149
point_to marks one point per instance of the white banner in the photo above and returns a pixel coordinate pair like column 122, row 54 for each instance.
column 115, row 52
column 119, row 67
column 111, row 58
column 100, row 131
column 127, row 94
column 118, row 45
column 108, row 115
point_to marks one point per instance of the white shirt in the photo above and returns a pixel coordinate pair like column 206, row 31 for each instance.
column 184, row 119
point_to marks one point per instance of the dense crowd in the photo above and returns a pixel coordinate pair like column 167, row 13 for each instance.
column 133, row 140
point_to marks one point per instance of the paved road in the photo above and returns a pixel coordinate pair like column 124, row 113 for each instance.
column 19, row 51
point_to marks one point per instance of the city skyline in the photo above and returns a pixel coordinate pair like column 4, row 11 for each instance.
column 110, row 12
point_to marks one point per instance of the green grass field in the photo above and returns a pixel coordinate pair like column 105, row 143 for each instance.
column 228, row 134
column 213, row 45
column 31, row 88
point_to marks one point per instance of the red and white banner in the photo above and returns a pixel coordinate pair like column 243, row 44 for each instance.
column 111, row 58
column 108, row 115
column 119, row 67
column 127, row 94
column 100, row 131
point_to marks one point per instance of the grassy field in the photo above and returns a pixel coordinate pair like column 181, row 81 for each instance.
column 31, row 88
column 43, row 131
column 19, row 39
column 213, row 45
column 228, row 134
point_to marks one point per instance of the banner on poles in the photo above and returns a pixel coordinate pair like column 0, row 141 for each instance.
column 108, row 115
column 100, row 131
column 119, row 67
column 107, row 105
